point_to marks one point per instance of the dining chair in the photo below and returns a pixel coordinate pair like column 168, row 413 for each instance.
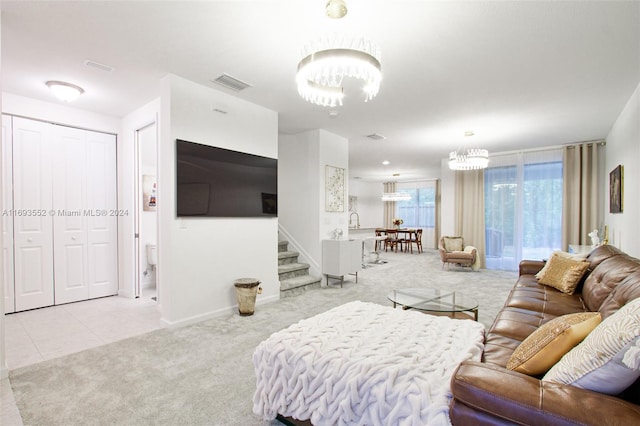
column 415, row 238
column 392, row 240
column 380, row 242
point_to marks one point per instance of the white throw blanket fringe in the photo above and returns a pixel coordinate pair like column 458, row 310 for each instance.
column 364, row 364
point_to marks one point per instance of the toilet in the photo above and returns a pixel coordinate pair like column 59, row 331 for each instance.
column 152, row 255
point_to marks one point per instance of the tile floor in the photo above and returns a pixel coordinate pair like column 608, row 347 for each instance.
column 42, row 334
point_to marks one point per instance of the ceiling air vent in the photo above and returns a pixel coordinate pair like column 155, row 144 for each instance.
column 231, row 82
column 98, row 65
column 376, row 137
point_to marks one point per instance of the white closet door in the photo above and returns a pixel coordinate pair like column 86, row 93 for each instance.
column 102, row 225
column 70, row 221
column 7, row 216
column 33, row 225
column 85, row 225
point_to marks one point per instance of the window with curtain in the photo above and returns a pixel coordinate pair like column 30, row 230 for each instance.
column 523, row 207
column 420, row 210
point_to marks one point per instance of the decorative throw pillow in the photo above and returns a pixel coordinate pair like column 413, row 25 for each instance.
column 545, row 346
column 608, row 360
column 563, row 273
column 453, row 243
column 574, row 256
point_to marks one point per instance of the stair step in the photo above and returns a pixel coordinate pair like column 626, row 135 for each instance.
column 292, row 270
column 285, row 257
column 297, row 285
column 282, row 245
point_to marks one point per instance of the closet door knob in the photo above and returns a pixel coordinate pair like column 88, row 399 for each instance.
column 29, row 240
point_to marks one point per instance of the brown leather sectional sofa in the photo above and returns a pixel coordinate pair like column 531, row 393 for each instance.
column 486, row 393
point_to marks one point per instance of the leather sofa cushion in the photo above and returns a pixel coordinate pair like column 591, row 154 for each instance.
column 528, row 306
column 604, row 278
column 624, row 292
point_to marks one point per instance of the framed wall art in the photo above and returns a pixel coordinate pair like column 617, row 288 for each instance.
column 334, row 189
column 149, row 193
column 616, row 188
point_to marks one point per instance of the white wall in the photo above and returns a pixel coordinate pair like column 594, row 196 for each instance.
column 298, row 203
column 301, row 191
column 60, row 114
column 368, row 205
column 199, row 258
column 623, row 147
column 334, row 151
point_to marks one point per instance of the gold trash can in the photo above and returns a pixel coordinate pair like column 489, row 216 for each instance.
column 246, row 291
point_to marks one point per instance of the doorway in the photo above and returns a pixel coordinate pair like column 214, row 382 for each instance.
column 146, row 217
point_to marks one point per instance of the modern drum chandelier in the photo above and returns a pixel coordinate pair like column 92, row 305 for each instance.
column 469, row 159
column 327, row 62
column 396, row 196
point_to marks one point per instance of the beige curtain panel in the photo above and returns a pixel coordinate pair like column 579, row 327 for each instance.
column 582, row 194
column 470, row 210
column 389, row 209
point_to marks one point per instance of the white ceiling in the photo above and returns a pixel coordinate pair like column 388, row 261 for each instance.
column 520, row 74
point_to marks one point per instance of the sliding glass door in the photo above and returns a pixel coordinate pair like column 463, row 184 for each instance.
column 523, row 207
column 420, row 211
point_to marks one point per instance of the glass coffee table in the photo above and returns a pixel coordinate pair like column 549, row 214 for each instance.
column 435, row 301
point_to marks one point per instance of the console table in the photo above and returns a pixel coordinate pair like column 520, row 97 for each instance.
column 341, row 257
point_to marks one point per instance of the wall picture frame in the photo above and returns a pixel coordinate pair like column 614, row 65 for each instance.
column 616, row 190
column 149, row 193
column 334, row 189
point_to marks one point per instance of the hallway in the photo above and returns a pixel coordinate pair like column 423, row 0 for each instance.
column 41, row 334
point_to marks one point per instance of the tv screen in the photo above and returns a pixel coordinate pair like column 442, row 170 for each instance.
column 217, row 182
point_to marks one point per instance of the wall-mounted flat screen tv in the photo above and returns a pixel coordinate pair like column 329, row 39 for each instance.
column 217, row 182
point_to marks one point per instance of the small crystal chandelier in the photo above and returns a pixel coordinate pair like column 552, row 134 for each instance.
column 326, row 62
column 469, row 159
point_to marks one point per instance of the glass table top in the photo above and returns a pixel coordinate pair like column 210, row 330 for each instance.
column 434, row 300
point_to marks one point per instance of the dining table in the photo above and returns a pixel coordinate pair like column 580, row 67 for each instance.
column 402, row 235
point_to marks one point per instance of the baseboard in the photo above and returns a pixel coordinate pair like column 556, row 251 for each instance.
column 126, row 293
column 4, row 372
column 229, row 310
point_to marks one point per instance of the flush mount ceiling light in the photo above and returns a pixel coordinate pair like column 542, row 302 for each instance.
column 65, row 92
column 395, row 196
column 469, row 158
column 325, row 64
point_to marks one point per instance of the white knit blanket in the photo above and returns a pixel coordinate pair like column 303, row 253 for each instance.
column 364, row 364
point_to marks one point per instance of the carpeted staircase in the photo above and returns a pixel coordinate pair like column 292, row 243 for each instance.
column 294, row 276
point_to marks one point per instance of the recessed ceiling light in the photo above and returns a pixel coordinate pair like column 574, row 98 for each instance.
column 386, row 162
column 66, row 92
column 469, row 133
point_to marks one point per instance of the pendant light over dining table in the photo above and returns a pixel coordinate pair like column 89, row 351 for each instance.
column 328, row 61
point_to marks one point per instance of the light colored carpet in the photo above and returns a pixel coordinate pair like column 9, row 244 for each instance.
column 202, row 374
